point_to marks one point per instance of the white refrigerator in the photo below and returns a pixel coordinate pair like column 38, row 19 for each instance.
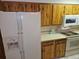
column 21, row 34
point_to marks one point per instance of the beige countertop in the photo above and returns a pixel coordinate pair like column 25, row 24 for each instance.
column 55, row 36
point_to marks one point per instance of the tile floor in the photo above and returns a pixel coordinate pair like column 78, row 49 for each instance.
column 72, row 57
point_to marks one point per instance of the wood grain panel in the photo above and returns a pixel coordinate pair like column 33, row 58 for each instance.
column 5, row 6
column 46, row 47
column 53, row 50
column 0, row 6
column 60, row 48
column 75, row 9
column 31, row 7
column 11, row 6
column 48, row 50
column 46, row 14
column 42, row 14
column 68, row 9
column 28, row 7
column 58, row 12
column 20, row 6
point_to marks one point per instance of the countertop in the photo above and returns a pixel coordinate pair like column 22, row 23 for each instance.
column 49, row 37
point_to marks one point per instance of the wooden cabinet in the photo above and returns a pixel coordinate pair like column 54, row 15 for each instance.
column 46, row 14
column 53, row 49
column 0, row 6
column 68, row 9
column 75, row 9
column 60, row 46
column 48, row 50
column 31, row 7
column 58, row 12
column 5, row 6
column 11, row 6
column 20, row 6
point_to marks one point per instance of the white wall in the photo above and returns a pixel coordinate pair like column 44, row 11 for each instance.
column 40, row 1
column 49, row 1
column 66, row 1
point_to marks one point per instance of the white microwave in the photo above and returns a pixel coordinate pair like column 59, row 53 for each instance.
column 70, row 20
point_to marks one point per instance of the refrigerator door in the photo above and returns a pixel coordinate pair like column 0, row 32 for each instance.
column 31, row 34
column 8, row 26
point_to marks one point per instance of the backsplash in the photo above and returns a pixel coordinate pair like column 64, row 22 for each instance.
column 55, row 29
column 47, row 29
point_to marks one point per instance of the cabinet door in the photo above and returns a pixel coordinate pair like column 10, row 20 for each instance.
column 60, row 48
column 11, row 6
column 68, row 9
column 5, row 6
column 75, row 9
column 58, row 12
column 31, row 7
column 48, row 50
column 52, row 49
column 0, row 6
column 20, row 6
column 46, row 14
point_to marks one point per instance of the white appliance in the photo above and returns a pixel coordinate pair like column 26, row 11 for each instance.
column 72, row 46
column 70, row 20
column 21, row 34
column 69, row 23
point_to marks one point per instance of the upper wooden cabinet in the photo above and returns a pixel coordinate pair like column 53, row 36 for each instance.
column 58, row 12
column 75, row 9
column 0, row 6
column 20, row 6
column 46, row 14
column 31, row 7
column 68, row 9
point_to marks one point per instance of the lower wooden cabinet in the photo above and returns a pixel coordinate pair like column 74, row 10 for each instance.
column 60, row 46
column 48, row 50
column 53, row 49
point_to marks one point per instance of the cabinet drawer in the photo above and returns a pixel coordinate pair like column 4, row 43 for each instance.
column 60, row 41
column 47, row 43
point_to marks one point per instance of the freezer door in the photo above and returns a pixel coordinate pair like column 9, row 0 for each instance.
column 31, row 34
column 8, row 26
